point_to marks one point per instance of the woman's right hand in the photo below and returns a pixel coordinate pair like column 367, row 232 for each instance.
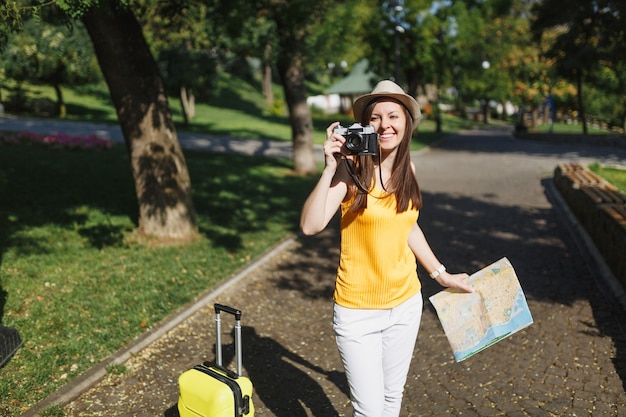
column 333, row 146
column 325, row 199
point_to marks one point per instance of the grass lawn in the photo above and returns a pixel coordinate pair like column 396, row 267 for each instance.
column 615, row 176
column 576, row 129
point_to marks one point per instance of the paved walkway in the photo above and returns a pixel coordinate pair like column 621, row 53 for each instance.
column 196, row 141
column 486, row 195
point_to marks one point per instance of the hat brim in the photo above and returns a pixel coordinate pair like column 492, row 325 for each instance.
column 406, row 100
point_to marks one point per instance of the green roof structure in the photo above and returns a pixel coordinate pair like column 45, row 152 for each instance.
column 358, row 82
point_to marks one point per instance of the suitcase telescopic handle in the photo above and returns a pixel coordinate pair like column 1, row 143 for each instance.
column 227, row 309
column 218, row 331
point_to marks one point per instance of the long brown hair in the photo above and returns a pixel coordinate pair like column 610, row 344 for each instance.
column 402, row 184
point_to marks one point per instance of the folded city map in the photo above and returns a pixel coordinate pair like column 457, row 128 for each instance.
column 495, row 310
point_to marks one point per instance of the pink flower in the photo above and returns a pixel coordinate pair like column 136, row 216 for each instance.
column 58, row 140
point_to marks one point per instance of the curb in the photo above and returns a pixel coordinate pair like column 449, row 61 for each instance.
column 585, row 244
column 82, row 383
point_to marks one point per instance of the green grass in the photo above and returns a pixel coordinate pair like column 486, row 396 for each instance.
column 615, row 176
column 570, row 129
column 73, row 279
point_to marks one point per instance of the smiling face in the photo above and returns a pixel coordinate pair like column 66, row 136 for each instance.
column 389, row 120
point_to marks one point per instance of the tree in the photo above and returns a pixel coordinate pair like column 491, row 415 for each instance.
column 613, row 51
column 159, row 168
column 181, row 38
column 425, row 43
column 291, row 20
column 161, row 177
column 481, row 37
column 290, row 29
column 50, row 54
column 575, row 50
column 395, row 36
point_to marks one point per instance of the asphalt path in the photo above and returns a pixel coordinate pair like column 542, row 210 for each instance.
column 192, row 141
column 486, row 195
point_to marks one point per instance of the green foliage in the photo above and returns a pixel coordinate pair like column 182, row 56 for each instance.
column 573, row 47
column 340, row 36
column 194, row 70
column 77, row 8
column 183, row 40
column 484, row 46
column 13, row 12
column 317, row 33
column 48, row 54
column 277, row 108
column 385, row 26
column 241, row 31
column 443, row 44
column 589, row 41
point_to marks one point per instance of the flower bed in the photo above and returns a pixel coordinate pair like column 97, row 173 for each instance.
column 55, row 141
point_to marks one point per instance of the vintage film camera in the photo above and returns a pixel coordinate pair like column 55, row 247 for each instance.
column 360, row 140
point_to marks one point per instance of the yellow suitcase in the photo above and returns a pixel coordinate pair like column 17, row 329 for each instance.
column 211, row 390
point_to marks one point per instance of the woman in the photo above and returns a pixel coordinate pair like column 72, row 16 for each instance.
column 377, row 300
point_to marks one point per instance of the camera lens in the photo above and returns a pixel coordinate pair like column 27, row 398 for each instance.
column 355, row 142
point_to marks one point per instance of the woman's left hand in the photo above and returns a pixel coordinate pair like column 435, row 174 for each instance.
column 458, row 281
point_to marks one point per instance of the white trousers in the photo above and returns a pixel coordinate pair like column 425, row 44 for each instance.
column 376, row 347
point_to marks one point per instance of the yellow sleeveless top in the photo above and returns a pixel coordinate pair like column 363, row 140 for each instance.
column 377, row 269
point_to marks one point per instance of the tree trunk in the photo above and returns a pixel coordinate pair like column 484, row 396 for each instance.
column 546, row 114
column 267, row 74
column 184, row 105
column 192, row 104
column 534, row 116
column 188, row 104
column 581, row 109
column 291, row 71
column 484, row 105
column 505, row 114
column 414, row 77
column 61, row 109
column 159, row 168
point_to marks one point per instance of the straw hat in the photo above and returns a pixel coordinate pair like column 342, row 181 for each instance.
column 387, row 88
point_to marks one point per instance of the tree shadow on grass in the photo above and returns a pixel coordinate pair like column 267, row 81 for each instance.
column 44, row 187
column 86, row 113
column 236, row 195
column 233, row 195
column 101, row 235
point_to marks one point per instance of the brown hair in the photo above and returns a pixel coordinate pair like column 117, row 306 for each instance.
column 402, row 184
